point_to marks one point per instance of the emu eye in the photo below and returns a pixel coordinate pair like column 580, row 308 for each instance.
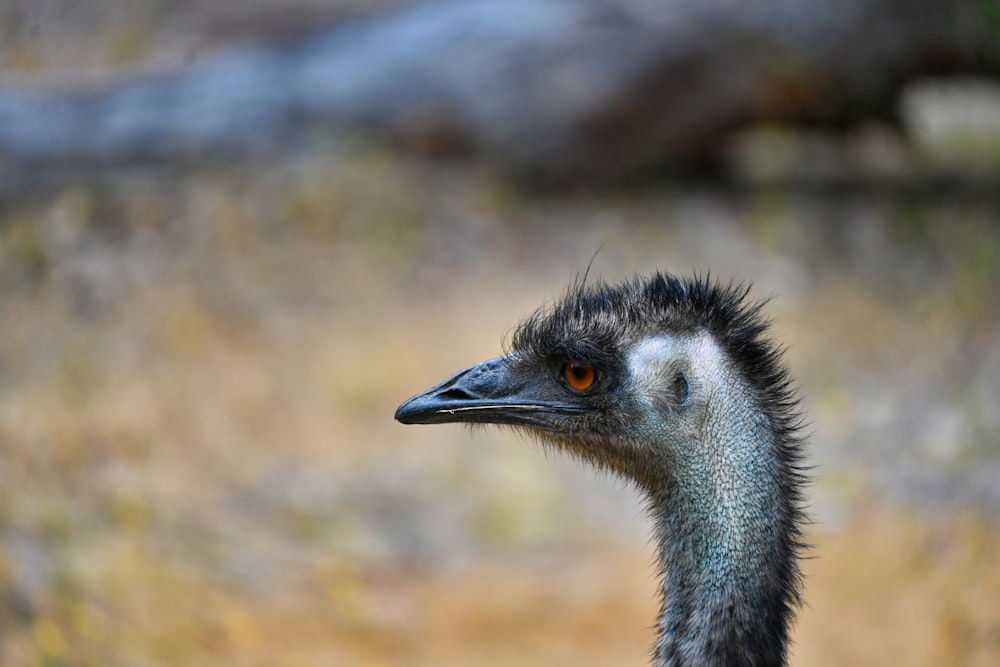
column 579, row 375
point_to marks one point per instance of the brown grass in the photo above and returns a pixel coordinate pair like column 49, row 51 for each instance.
column 199, row 465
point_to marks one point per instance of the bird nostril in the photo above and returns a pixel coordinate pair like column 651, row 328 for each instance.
column 457, row 395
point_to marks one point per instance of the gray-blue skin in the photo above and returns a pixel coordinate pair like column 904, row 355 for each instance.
column 674, row 385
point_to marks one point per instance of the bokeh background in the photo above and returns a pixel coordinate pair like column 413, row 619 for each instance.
column 198, row 370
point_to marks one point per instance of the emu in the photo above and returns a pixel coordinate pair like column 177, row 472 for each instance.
column 673, row 384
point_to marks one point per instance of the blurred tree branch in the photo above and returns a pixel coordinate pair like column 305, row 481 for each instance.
column 552, row 88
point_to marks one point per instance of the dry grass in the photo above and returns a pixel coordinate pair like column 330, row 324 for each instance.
column 199, row 466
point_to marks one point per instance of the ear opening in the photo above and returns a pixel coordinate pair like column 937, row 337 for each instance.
column 680, row 390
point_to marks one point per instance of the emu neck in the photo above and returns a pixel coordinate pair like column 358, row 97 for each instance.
column 725, row 553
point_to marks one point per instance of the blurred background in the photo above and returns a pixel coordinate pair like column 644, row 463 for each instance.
column 199, row 367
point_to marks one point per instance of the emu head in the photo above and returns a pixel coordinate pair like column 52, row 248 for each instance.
column 630, row 378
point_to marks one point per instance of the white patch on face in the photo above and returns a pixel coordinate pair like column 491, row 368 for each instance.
column 647, row 360
column 653, row 362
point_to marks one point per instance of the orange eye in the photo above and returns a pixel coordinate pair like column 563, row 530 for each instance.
column 579, row 375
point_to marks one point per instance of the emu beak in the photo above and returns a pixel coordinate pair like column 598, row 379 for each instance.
column 493, row 392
